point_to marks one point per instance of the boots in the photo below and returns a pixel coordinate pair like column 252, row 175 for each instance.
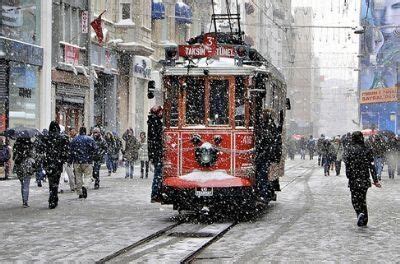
column 53, row 199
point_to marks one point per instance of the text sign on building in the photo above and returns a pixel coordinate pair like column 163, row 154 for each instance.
column 379, row 95
column 141, row 67
column 85, row 22
column 71, row 55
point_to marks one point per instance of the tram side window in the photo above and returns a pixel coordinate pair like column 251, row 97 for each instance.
column 219, row 102
column 174, row 102
column 195, row 110
column 240, row 101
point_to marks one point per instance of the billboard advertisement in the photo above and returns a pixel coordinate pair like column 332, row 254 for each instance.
column 380, row 64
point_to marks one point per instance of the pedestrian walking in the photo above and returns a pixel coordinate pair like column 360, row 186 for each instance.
column 112, row 154
column 302, row 146
column 40, row 172
column 311, row 147
column 155, row 149
column 82, row 151
column 68, row 168
column 118, row 141
column 131, row 152
column 143, row 155
column 327, row 155
column 391, row 155
column 98, row 157
column 291, row 148
column 5, row 156
column 338, row 154
column 358, row 159
column 54, row 149
column 378, row 151
column 24, row 165
column 320, row 143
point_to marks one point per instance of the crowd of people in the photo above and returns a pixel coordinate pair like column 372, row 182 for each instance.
column 80, row 155
column 385, row 150
column 364, row 158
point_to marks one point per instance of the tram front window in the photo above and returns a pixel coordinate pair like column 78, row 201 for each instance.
column 240, row 101
column 219, row 102
column 195, row 111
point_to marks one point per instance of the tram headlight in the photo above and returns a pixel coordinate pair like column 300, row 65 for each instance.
column 206, row 155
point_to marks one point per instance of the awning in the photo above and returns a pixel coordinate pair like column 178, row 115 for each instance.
column 183, row 13
column 157, row 10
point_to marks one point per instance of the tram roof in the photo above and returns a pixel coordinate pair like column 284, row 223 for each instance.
column 222, row 67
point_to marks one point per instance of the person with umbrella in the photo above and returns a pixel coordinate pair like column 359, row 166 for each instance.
column 24, row 165
column 55, row 151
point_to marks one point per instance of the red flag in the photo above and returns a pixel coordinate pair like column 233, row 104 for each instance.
column 96, row 25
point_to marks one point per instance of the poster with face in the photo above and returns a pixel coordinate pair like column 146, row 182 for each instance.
column 380, row 44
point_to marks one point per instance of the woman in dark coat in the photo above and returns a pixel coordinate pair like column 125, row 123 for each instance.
column 268, row 150
column 24, row 165
column 155, row 149
column 131, row 152
column 359, row 165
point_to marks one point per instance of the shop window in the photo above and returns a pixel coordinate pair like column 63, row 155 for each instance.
column 219, row 102
column 24, row 86
column 240, row 100
column 195, row 110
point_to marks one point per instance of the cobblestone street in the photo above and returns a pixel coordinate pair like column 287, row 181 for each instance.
column 312, row 221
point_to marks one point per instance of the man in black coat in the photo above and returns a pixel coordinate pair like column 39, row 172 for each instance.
column 155, row 148
column 359, row 165
column 55, row 152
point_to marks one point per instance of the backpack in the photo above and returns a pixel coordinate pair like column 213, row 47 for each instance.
column 5, row 154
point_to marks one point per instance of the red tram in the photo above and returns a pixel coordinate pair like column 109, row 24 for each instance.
column 214, row 89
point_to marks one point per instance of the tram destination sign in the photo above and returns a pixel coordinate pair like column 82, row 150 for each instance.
column 202, row 51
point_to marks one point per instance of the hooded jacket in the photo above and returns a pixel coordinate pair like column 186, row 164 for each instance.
column 54, row 149
column 359, row 163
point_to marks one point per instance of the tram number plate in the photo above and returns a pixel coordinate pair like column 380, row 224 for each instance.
column 204, row 191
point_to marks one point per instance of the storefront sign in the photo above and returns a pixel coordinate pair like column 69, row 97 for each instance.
column 84, row 21
column 379, row 95
column 71, row 54
column 141, row 67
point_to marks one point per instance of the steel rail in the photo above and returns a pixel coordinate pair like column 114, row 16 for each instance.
column 138, row 243
column 192, row 256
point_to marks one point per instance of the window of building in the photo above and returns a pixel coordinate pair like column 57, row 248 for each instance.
column 195, row 93
column 219, row 102
column 125, row 11
column 146, row 18
column 20, row 20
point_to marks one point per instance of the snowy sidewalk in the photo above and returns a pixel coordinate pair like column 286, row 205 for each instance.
column 116, row 215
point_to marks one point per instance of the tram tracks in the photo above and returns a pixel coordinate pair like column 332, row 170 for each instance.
column 180, row 242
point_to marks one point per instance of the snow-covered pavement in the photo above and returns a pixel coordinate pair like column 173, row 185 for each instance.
column 312, row 221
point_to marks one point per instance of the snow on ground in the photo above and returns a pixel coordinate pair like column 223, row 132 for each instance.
column 313, row 221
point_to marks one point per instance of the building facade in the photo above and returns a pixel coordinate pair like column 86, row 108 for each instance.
column 25, row 64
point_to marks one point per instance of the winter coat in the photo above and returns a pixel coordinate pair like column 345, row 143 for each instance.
column 101, row 149
column 131, row 152
column 113, row 148
column 311, row 145
column 82, row 150
column 143, row 151
column 378, row 148
column 328, row 151
column 359, row 164
column 53, row 148
column 155, row 138
column 338, row 150
column 320, row 144
column 23, row 150
column 268, row 146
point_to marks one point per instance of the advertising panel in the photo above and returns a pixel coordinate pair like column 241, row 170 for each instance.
column 380, row 63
